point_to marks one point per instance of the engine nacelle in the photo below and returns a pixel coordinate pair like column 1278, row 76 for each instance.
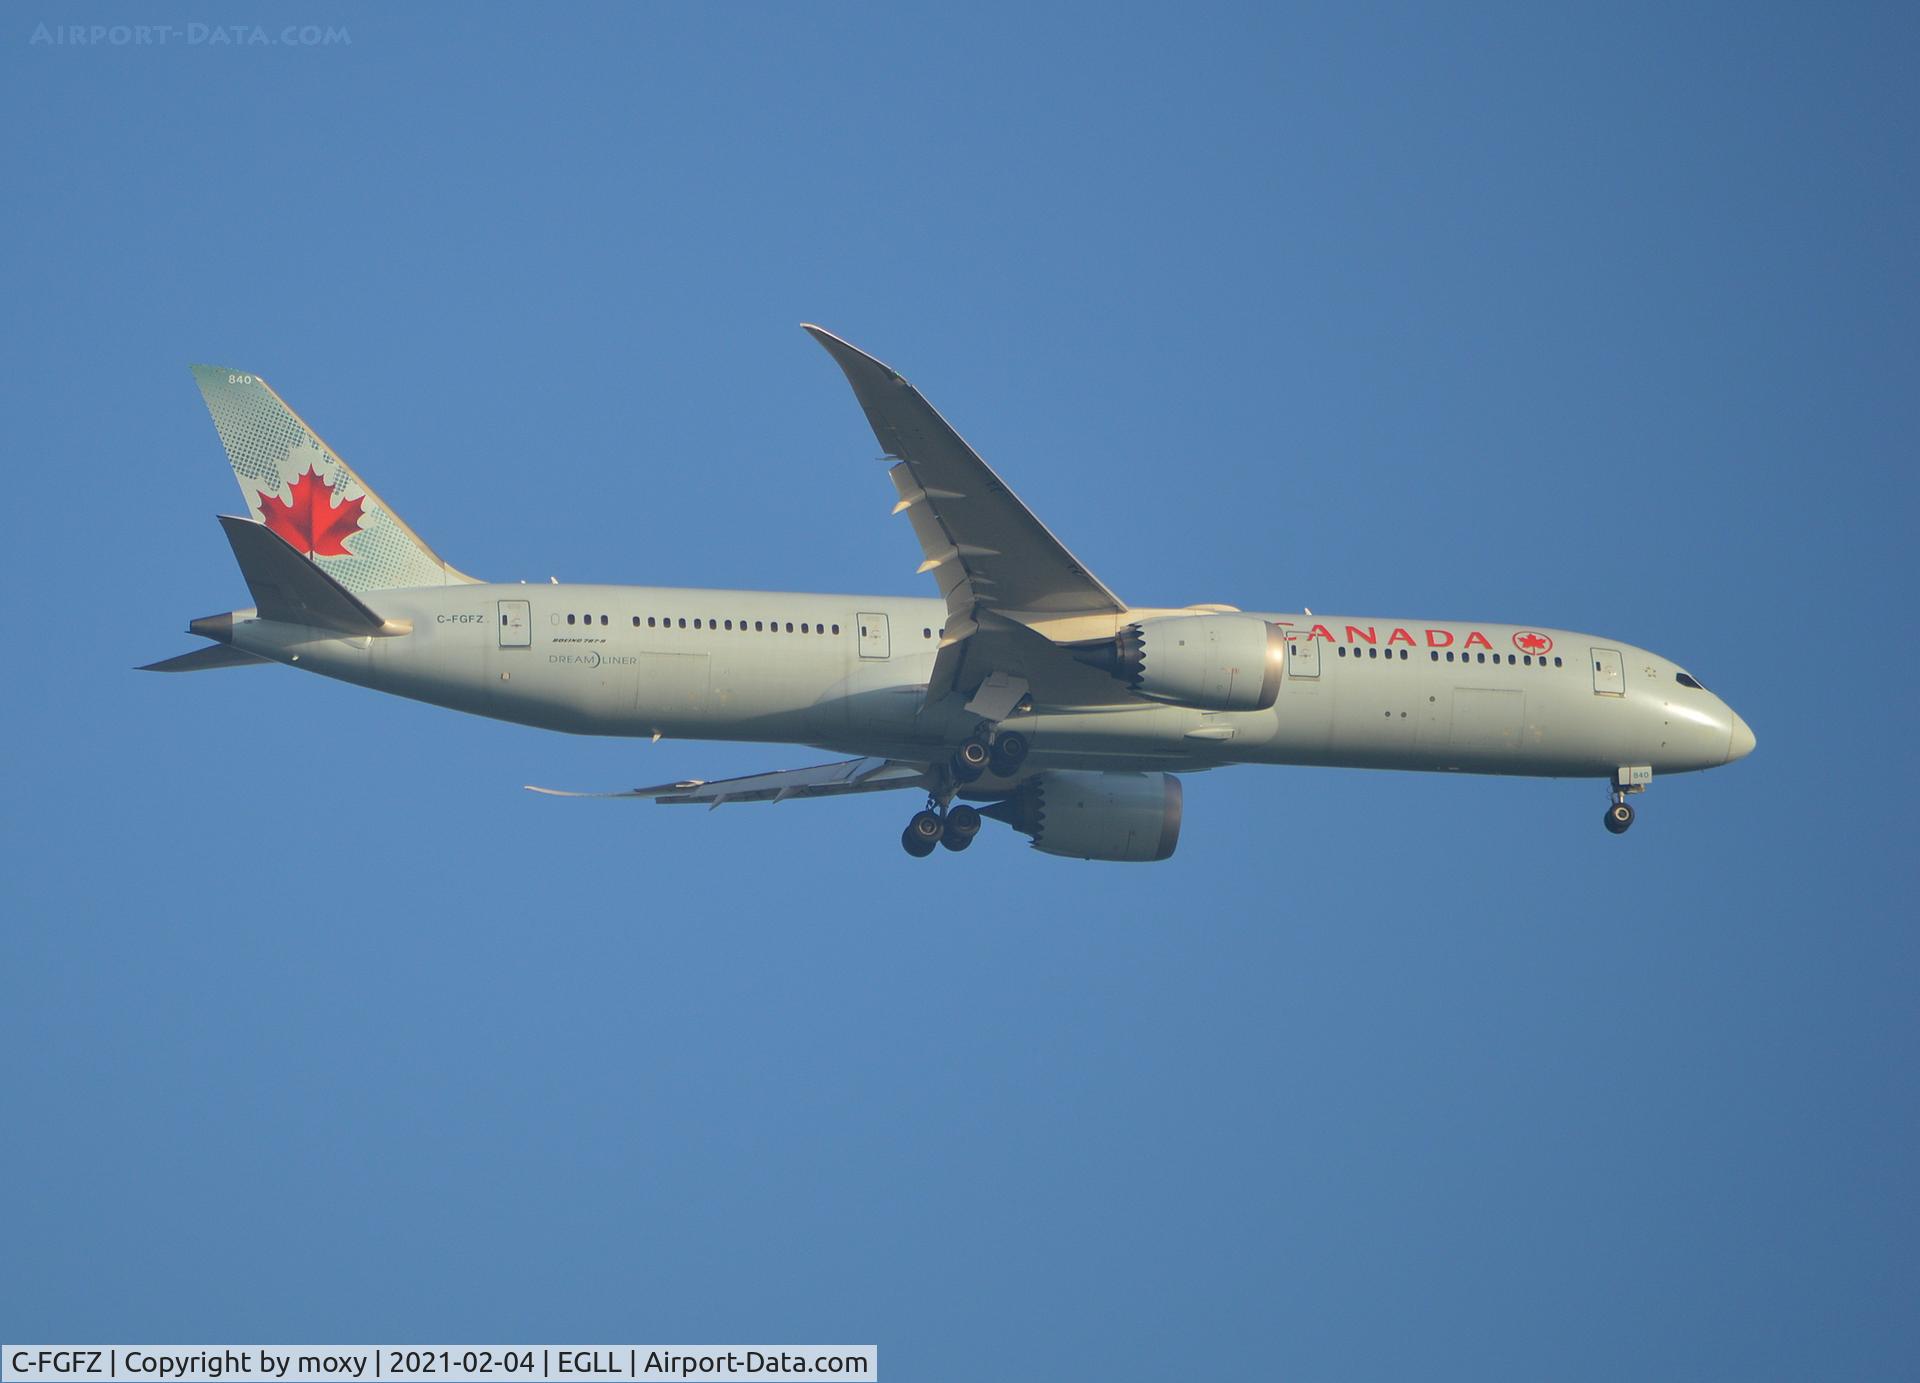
column 1096, row 816
column 1208, row 662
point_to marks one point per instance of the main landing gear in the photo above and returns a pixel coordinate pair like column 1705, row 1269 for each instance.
column 954, row 828
column 1002, row 756
column 941, row 823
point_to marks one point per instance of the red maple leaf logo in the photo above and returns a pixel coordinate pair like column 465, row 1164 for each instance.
column 312, row 523
column 1530, row 642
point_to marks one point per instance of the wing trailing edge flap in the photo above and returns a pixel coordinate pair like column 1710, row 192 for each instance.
column 822, row 780
column 1000, row 652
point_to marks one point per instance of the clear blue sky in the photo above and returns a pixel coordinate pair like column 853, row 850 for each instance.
column 316, row 1027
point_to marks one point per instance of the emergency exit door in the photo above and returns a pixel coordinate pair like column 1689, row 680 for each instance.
column 1608, row 679
column 874, row 642
column 516, row 624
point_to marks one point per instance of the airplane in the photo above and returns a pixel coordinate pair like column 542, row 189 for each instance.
column 1026, row 691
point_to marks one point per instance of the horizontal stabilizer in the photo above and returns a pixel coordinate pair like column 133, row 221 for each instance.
column 289, row 588
column 823, row 780
column 202, row 659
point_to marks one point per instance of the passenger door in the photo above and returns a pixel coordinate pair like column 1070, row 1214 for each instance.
column 516, row 624
column 1608, row 677
column 874, row 640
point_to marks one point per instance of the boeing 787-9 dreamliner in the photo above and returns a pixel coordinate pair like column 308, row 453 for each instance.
column 1026, row 686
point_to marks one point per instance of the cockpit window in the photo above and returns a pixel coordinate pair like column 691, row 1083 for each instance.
column 1684, row 680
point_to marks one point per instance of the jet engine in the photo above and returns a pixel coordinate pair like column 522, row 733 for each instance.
column 1096, row 816
column 1208, row 662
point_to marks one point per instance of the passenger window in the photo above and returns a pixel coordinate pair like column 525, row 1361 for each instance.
column 1343, row 650
column 569, row 619
column 1556, row 662
column 836, row 629
column 926, row 633
column 1403, row 655
column 1527, row 659
column 1434, row 654
column 789, row 626
column 683, row 621
column 1481, row 656
column 729, row 624
column 1449, row 655
column 1373, row 653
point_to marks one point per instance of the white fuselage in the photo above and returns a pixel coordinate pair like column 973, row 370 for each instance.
column 849, row 673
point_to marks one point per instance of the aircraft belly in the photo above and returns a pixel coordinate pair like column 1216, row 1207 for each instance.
column 1141, row 730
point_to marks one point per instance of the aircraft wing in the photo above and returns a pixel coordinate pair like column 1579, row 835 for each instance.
column 983, row 545
column 822, row 780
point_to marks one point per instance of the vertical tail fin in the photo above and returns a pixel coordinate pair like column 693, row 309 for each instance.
column 298, row 488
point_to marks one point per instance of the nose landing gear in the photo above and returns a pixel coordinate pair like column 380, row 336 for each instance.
column 1624, row 781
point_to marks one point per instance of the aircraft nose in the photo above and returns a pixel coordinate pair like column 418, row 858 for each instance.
column 1741, row 743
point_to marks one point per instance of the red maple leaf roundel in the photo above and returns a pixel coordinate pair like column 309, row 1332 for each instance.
column 313, row 523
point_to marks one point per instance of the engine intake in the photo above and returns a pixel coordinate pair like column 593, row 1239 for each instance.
column 1096, row 816
column 1208, row 662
